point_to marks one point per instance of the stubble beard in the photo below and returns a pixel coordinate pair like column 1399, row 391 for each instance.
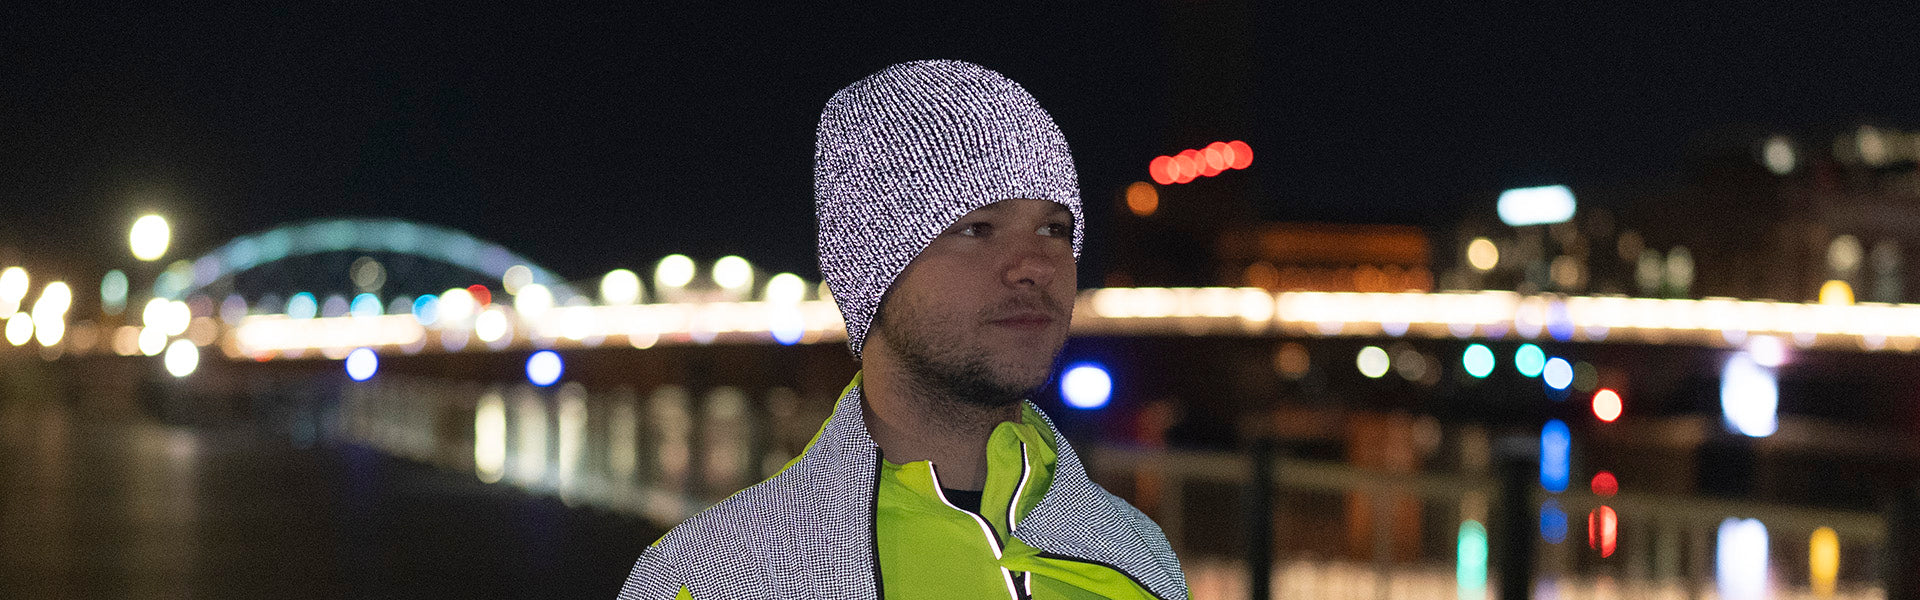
column 959, row 378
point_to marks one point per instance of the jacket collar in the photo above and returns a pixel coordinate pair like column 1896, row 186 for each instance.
column 1075, row 517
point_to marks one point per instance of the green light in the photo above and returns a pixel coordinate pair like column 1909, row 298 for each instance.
column 1478, row 360
column 1471, row 569
column 1530, row 360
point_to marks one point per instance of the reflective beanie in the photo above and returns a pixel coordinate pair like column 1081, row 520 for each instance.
column 906, row 152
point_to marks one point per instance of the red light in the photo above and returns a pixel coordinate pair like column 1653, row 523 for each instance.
column 1605, row 485
column 1162, row 170
column 1242, row 154
column 1603, row 530
column 481, row 296
column 1218, row 156
column 1606, row 405
column 1185, row 166
column 1191, row 164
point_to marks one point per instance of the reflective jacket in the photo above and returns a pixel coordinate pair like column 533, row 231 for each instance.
column 809, row 531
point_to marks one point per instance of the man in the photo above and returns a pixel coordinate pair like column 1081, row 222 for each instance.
column 949, row 225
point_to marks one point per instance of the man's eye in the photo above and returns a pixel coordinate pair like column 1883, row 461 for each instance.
column 977, row 229
column 1054, row 230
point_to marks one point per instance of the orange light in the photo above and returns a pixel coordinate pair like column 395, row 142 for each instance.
column 481, row 296
column 1242, row 154
column 1603, row 530
column 1162, row 170
column 1606, row 405
column 1605, row 485
column 1142, row 199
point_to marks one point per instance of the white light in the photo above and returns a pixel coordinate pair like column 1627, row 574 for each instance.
column 490, row 438
column 1767, row 351
column 362, row 363
column 1483, row 254
column 491, row 325
column 49, row 313
column 13, row 288
column 732, row 272
column 1373, row 362
column 182, row 358
column 1749, row 396
column 1086, row 386
column 544, row 368
column 676, row 270
column 1740, row 559
column 19, row 328
column 1778, row 154
column 620, row 287
column 517, row 276
column 365, row 305
column 786, row 288
column 456, row 305
column 1536, row 205
column 533, row 300
column 152, row 341
column 1558, row 373
column 57, row 298
column 149, row 237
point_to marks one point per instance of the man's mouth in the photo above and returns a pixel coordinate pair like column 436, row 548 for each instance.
column 1030, row 321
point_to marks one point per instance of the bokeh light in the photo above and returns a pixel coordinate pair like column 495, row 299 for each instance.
column 544, row 368
column 786, row 288
column 1740, row 559
column 1478, row 360
column 1603, row 530
column 732, row 272
column 533, row 301
column 182, row 358
column 1373, row 362
column 1556, row 455
column 1529, row 360
column 365, row 305
column 516, row 277
column 362, row 363
column 457, row 305
column 1483, row 254
column 1086, row 386
column 1749, row 396
column 1557, row 373
column 1143, row 199
column 152, row 341
column 113, row 292
column 490, row 438
column 674, row 271
column 1470, row 559
column 19, row 328
column 491, row 325
column 426, row 310
column 1604, row 484
column 1823, row 561
column 482, row 296
column 1541, row 205
column 13, row 289
column 1836, row 293
column 149, row 237
column 1553, row 522
column 1606, row 405
column 1767, row 351
column 619, row 287
column 302, row 306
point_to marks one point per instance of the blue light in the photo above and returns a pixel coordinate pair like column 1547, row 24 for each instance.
column 1740, row 559
column 787, row 327
column 1536, row 205
column 1553, row 522
column 1529, row 359
column 1559, row 323
column 1749, row 396
column 1556, row 452
column 1478, row 360
column 1086, row 386
column 365, row 305
column 302, row 306
column 362, row 363
column 1558, row 373
column 426, row 309
column 543, row 368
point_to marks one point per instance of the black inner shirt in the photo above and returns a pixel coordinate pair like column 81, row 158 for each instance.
column 968, row 500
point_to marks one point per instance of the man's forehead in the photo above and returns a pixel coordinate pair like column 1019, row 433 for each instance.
column 1048, row 206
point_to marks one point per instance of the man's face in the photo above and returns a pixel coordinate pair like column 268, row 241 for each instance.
column 984, row 309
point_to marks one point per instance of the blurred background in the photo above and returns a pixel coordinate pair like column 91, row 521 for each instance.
column 319, row 301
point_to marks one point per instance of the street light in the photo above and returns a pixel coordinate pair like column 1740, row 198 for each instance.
column 149, row 237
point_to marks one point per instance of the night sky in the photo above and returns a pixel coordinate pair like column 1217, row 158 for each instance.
column 591, row 138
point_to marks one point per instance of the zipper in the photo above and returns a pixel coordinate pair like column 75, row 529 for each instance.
column 873, row 523
column 993, row 540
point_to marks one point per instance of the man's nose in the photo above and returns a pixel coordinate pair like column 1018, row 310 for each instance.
column 1031, row 266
